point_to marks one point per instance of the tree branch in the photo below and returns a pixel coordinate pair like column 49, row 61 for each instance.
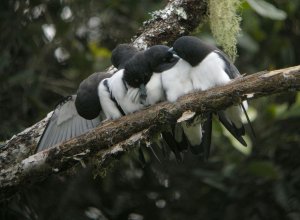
column 113, row 138
column 178, row 18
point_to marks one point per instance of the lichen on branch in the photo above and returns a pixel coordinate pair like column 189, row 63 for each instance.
column 225, row 24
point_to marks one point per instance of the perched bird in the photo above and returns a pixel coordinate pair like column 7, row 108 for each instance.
column 176, row 82
column 210, row 67
column 79, row 113
column 143, row 76
column 134, row 87
column 138, row 85
column 88, row 98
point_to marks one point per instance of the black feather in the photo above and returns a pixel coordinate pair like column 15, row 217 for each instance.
column 206, row 134
column 236, row 132
column 172, row 144
column 248, row 120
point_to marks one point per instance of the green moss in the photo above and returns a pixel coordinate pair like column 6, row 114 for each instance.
column 225, row 24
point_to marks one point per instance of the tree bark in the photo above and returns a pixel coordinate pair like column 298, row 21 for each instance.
column 108, row 141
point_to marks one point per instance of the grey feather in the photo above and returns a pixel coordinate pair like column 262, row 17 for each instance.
column 64, row 124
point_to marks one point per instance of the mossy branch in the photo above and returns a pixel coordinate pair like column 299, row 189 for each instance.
column 108, row 141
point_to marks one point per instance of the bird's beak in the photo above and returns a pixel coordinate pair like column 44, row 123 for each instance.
column 172, row 51
column 143, row 91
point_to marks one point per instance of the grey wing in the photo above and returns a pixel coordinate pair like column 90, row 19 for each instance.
column 230, row 68
column 64, row 124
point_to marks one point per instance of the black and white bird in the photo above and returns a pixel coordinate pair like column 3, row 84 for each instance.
column 177, row 82
column 79, row 113
column 113, row 91
column 143, row 75
column 210, row 67
column 136, row 86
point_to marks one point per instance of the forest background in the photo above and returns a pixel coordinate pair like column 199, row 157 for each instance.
column 48, row 47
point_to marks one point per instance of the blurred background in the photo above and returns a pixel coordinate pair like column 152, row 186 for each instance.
column 48, row 47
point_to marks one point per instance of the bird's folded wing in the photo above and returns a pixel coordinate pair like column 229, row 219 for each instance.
column 64, row 124
column 230, row 68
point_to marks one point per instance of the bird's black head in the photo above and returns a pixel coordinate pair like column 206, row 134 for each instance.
column 121, row 54
column 87, row 101
column 137, row 71
column 192, row 49
column 160, row 59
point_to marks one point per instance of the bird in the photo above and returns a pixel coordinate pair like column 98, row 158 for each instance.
column 143, row 75
column 176, row 82
column 135, row 86
column 112, row 90
column 210, row 67
column 78, row 113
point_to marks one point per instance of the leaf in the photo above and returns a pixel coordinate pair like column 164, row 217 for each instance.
column 263, row 169
column 281, row 195
column 100, row 52
column 266, row 9
column 293, row 111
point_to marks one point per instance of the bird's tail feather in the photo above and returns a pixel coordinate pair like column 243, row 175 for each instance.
column 231, row 127
column 193, row 135
column 151, row 146
column 180, row 137
column 141, row 156
column 206, row 134
column 173, row 145
column 248, row 120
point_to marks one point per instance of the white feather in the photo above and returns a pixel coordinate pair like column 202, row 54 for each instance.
column 119, row 92
column 234, row 113
column 108, row 106
column 176, row 81
column 133, row 94
column 209, row 73
column 154, row 89
column 193, row 132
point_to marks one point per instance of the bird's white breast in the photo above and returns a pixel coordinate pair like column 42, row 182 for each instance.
column 154, row 89
column 119, row 92
column 209, row 72
column 176, row 81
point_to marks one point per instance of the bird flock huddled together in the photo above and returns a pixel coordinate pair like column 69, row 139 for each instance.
column 144, row 78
